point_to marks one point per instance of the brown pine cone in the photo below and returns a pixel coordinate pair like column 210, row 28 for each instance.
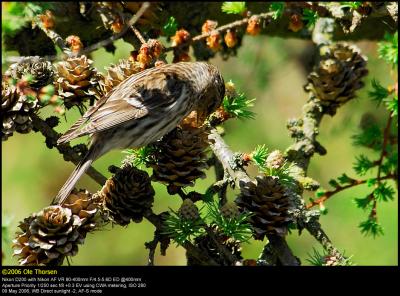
column 275, row 160
column 48, row 237
column 74, row 43
column 295, row 22
column 229, row 210
column 230, row 38
column 118, row 73
column 42, row 71
column 214, row 41
column 127, row 195
column 208, row 26
column 181, row 53
column 181, row 36
column 337, row 76
column 149, row 52
column 84, row 205
column 16, row 109
column 267, row 200
column 208, row 246
column 181, row 155
column 254, row 26
column 77, row 81
column 188, row 210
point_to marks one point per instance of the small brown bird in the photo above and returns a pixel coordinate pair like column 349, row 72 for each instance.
column 142, row 109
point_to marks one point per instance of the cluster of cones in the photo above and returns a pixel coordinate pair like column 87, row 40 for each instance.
column 179, row 158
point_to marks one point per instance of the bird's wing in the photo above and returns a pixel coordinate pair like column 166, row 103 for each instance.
column 73, row 131
column 134, row 98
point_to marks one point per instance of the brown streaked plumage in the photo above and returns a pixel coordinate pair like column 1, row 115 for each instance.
column 142, row 109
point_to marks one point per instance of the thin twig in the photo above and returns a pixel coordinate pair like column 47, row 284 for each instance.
column 373, row 214
column 386, row 134
column 329, row 194
column 181, row 193
column 233, row 25
column 131, row 22
column 152, row 249
column 193, row 195
column 218, row 186
column 138, row 35
column 221, row 29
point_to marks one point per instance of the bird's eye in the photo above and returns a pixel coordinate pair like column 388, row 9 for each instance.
column 211, row 108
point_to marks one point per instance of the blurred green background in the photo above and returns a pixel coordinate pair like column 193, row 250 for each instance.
column 269, row 69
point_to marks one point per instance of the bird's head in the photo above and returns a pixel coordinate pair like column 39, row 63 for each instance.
column 213, row 91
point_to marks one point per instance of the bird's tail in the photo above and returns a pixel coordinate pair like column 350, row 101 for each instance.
column 80, row 169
